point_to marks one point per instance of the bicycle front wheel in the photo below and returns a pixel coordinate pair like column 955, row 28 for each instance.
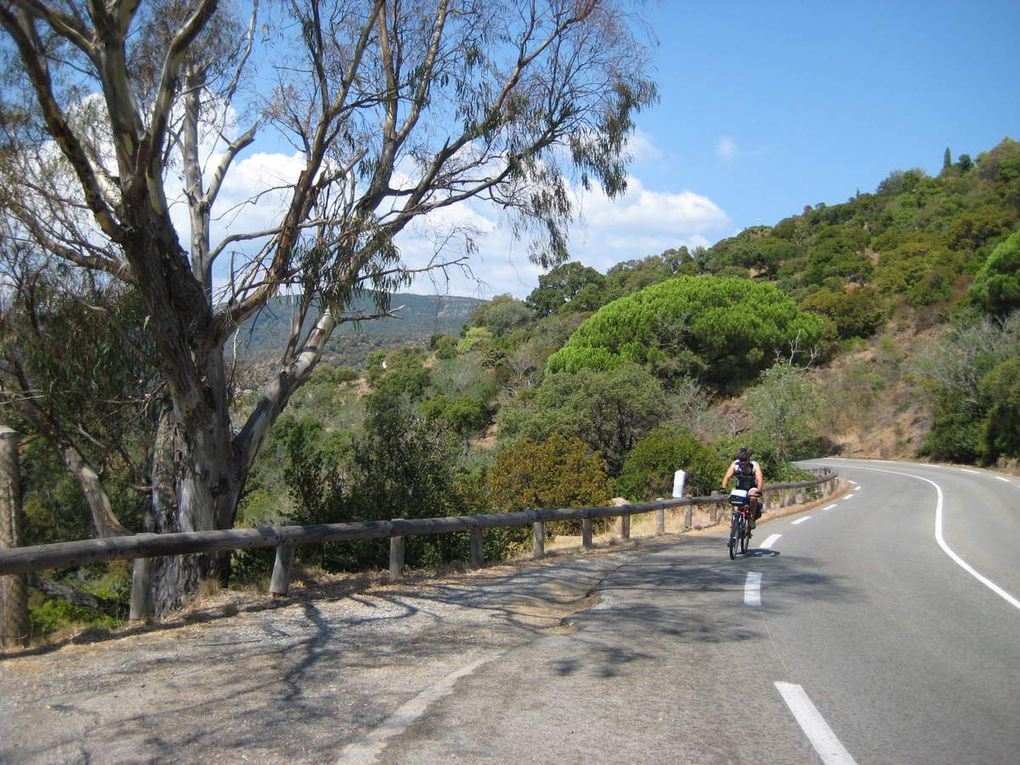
column 735, row 533
column 745, row 534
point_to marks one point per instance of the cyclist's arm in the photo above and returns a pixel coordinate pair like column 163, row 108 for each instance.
column 759, row 478
column 727, row 477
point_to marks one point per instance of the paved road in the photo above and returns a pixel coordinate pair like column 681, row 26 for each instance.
column 854, row 637
column 847, row 634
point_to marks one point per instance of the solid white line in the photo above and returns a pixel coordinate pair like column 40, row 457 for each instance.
column 752, row 589
column 945, row 547
column 800, row 520
column 813, row 724
column 369, row 748
column 836, row 504
column 771, row 540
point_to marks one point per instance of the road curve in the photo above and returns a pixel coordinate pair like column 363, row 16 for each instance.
column 847, row 634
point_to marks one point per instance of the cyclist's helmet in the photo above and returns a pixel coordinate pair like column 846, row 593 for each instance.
column 744, row 454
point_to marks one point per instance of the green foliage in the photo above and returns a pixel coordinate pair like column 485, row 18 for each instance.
column 53, row 614
column 558, row 289
column 502, row 314
column 463, row 415
column 957, row 432
column 648, row 470
column 444, row 346
column 609, row 411
column 921, row 267
column 854, row 313
column 556, row 472
column 475, row 339
column 721, row 330
column 997, row 286
column 784, row 406
column 1001, row 389
column 765, row 451
column 971, row 374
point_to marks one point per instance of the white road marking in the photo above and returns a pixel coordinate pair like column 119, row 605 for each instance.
column 752, row 589
column 830, row 507
column 800, row 520
column 968, row 470
column 942, row 542
column 813, row 724
column 369, row 748
column 852, row 483
column 857, row 488
column 771, row 540
column 849, row 496
column 1004, row 480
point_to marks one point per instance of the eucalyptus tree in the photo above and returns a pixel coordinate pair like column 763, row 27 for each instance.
column 138, row 122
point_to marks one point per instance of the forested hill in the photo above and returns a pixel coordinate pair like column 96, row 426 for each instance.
column 917, row 241
column 418, row 317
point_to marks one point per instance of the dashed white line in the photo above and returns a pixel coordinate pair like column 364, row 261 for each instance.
column 800, row 520
column 813, row 724
column 830, row 507
column 1004, row 480
column 968, row 470
column 857, row 488
column 771, row 540
column 752, row 589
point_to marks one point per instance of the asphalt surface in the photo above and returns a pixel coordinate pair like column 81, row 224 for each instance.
column 903, row 655
column 848, row 633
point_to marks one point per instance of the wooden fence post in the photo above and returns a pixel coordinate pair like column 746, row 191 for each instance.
column 477, row 555
column 538, row 539
column 396, row 558
column 142, row 607
column 624, row 519
column 660, row 521
column 15, row 626
column 279, row 585
column 586, row 532
column 688, row 516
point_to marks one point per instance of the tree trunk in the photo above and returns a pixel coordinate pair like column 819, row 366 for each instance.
column 15, row 626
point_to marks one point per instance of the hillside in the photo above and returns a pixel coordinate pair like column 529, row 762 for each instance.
column 418, row 318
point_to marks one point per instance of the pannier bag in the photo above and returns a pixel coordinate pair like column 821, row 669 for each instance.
column 739, row 497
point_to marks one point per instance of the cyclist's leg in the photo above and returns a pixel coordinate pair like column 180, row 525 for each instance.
column 756, row 503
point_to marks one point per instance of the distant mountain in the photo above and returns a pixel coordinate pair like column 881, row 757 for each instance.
column 418, row 318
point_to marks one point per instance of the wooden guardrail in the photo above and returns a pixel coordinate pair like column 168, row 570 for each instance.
column 146, row 545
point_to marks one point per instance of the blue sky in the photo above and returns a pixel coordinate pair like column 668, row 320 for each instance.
column 768, row 106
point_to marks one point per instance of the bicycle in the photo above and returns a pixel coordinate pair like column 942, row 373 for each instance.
column 740, row 522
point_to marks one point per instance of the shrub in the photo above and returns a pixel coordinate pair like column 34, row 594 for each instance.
column 557, row 472
column 648, row 470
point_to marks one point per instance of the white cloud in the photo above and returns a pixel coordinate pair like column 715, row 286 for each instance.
column 641, row 147
column 726, row 148
column 640, row 223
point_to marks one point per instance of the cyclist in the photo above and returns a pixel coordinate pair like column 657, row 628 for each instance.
column 749, row 477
